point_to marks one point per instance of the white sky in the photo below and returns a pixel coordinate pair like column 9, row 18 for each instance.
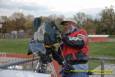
column 46, row 7
column 72, row 5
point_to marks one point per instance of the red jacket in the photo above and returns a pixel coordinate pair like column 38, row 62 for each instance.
column 75, row 45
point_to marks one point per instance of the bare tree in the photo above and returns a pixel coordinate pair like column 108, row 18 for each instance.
column 81, row 18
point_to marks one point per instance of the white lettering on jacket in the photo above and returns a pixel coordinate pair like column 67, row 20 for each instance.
column 74, row 38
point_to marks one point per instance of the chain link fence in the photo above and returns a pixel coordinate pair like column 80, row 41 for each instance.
column 98, row 66
column 25, row 64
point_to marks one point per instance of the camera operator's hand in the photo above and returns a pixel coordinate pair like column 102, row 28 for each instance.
column 64, row 37
column 58, row 39
column 66, row 68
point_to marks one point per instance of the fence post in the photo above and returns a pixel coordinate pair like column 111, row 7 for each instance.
column 102, row 68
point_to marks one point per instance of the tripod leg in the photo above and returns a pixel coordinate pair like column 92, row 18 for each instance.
column 53, row 72
column 37, row 66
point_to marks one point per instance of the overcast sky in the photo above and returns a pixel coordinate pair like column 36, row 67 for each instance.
column 47, row 7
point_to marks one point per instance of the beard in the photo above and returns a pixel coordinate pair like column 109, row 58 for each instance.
column 70, row 30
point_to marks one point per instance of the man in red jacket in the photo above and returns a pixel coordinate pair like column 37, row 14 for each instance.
column 74, row 50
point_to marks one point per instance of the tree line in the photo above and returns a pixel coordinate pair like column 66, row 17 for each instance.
column 16, row 22
column 104, row 24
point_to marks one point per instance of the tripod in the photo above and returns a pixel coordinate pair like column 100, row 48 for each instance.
column 44, row 65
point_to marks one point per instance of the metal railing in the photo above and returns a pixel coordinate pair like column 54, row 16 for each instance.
column 17, row 63
column 102, row 61
column 31, row 64
column 104, row 65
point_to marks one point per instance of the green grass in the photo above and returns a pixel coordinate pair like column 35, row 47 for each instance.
column 106, row 49
column 102, row 49
column 20, row 46
column 13, row 45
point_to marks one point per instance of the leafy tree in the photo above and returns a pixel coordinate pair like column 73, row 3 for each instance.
column 19, row 20
column 4, row 20
column 28, row 22
column 107, row 21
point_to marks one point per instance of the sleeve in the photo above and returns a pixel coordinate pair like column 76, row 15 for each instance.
column 78, row 42
column 58, row 57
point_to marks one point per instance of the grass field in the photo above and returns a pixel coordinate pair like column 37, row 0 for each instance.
column 14, row 45
column 20, row 46
column 105, row 49
column 102, row 49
